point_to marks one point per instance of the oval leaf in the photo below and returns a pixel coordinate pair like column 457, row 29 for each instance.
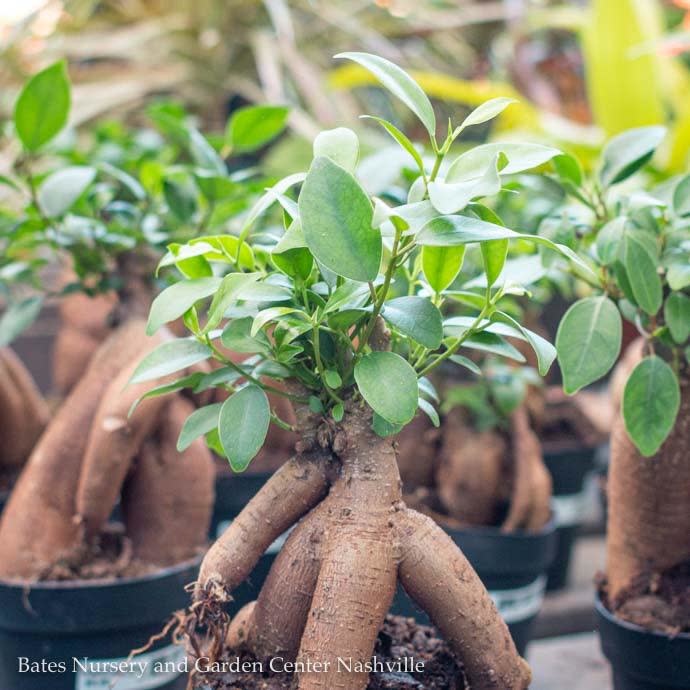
column 389, row 385
column 677, row 316
column 628, row 152
column 341, row 145
column 59, row 191
column 243, row 425
column 588, row 341
column 400, row 84
column 175, row 300
column 417, row 318
column 169, row 357
column 650, row 404
column 43, row 106
column 336, row 217
column 441, row 265
column 199, row 423
column 253, row 126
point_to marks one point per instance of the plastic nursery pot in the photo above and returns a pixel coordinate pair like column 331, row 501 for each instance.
column 76, row 635
column 233, row 492
column 513, row 569
column 643, row 659
column 568, row 467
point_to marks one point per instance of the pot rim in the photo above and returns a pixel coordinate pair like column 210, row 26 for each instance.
column 604, row 612
column 100, row 583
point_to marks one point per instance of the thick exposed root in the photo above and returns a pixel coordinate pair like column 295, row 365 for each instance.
column 290, row 493
column 167, row 500
column 531, row 494
column 72, row 353
column 113, row 441
column 38, row 526
column 471, row 471
column 648, row 500
column 439, row 578
column 23, row 411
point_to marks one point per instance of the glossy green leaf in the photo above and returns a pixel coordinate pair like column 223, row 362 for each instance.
column 228, row 292
column 199, row 423
column 544, row 350
column 237, row 337
column 169, row 357
column 253, row 126
column 681, row 197
column 400, row 84
column 678, row 276
column 336, row 217
column 441, row 265
column 588, row 341
column 417, row 318
column 430, row 411
column 384, row 428
column 628, row 152
column 651, row 401
column 677, row 316
column 485, row 112
column 520, row 157
column 495, row 344
column 639, row 256
column 610, row 240
column 494, row 255
column 568, row 169
column 389, row 385
column 43, row 106
column 176, row 299
column 401, row 138
column 59, row 191
column 243, row 425
column 450, row 198
column 341, row 145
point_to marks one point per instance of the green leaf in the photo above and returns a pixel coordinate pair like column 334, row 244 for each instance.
column 190, row 381
column 204, row 155
column 610, row 239
column 588, row 341
column 568, row 169
column 169, row 357
column 180, row 198
column 333, row 379
column 175, row 300
column 466, row 363
column 389, row 385
column 441, row 265
column 520, row 157
column 485, row 112
column 338, row 412
column 228, row 293
column 453, row 231
column 199, row 423
column 237, row 337
column 681, row 197
column 43, row 106
column 401, row 138
column 544, row 350
column 430, row 411
column 272, row 314
column 400, row 84
column 495, row 344
column 678, row 276
column 18, row 317
column 243, row 425
column 253, row 126
column 494, row 255
column 336, row 217
column 213, row 186
column 59, row 191
column 341, row 145
column 451, row 198
column 384, row 428
column 640, row 262
column 417, row 318
column 626, row 153
column 677, row 316
column 651, row 401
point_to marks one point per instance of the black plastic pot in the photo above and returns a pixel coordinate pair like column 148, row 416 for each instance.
column 233, row 492
column 511, row 566
column 569, row 468
column 643, row 659
column 52, row 624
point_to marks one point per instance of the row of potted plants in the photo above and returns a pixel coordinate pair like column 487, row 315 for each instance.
column 339, row 315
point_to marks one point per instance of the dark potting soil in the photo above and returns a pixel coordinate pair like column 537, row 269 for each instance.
column 401, row 638
column 109, row 557
column 657, row 601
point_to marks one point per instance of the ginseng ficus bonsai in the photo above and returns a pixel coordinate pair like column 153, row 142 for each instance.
column 342, row 307
column 103, row 215
column 638, row 241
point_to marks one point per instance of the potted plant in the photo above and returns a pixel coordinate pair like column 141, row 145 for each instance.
column 72, row 584
column 638, row 246
column 351, row 325
column 490, row 489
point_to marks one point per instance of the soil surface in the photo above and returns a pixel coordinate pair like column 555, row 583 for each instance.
column 108, row 558
column 400, row 639
column 657, row 601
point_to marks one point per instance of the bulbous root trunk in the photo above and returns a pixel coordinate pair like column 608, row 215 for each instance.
column 649, row 519
column 328, row 592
